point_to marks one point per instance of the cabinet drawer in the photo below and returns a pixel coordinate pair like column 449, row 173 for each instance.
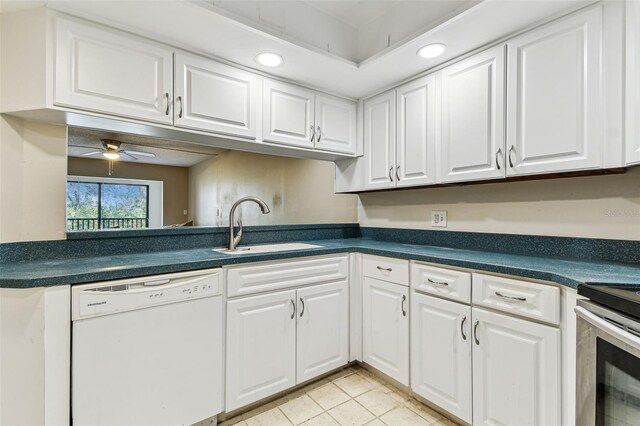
column 386, row 268
column 454, row 285
column 533, row 300
column 270, row 276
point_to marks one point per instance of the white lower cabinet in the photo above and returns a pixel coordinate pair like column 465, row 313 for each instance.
column 385, row 334
column 323, row 329
column 441, row 353
column 261, row 347
column 280, row 339
column 516, row 371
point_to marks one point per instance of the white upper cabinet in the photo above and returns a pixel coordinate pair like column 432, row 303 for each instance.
column 632, row 97
column 516, row 371
column 215, row 97
column 323, row 329
column 261, row 347
column 416, row 141
column 335, row 124
column 106, row 71
column 472, row 132
column 554, row 97
column 297, row 116
column 288, row 116
column 380, row 140
column 385, row 333
column 441, row 353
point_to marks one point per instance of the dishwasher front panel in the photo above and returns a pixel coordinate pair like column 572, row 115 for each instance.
column 159, row 365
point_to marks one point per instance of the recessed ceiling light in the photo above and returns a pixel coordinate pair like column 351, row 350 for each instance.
column 431, row 50
column 269, row 59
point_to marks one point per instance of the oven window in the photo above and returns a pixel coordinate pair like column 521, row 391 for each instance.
column 618, row 386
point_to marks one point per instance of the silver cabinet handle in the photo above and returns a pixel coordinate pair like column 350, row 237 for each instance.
column 398, row 173
column 390, row 176
column 293, row 305
column 380, row 268
column 464, row 319
column 302, row 311
column 166, row 98
column 475, row 331
column 404, row 299
column 179, row 101
column 498, row 154
column 319, row 134
column 437, row 282
column 504, row 296
column 313, row 132
column 513, row 148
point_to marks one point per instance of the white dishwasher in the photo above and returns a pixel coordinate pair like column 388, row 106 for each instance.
column 147, row 351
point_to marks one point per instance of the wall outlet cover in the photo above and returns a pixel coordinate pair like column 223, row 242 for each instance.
column 439, row 218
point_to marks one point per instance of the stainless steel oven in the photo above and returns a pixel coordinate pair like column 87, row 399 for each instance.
column 608, row 356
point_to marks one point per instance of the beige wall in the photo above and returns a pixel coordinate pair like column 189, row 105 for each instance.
column 296, row 190
column 175, row 180
column 33, row 169
column 595, row 206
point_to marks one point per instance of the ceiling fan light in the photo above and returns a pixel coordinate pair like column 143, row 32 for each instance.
column 111, row 155
column 431, row 50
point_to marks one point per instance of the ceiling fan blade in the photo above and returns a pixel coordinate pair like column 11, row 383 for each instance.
column 128, row 156
column 86, row 154
column 140, row 153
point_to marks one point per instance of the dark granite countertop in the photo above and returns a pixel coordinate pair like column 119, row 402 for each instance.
column 77, row 270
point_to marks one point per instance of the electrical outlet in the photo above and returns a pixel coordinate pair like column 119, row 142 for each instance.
column 439, row 218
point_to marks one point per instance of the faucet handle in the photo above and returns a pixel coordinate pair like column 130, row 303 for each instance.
column 238, row 237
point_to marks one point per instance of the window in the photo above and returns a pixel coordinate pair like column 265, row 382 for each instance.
column 102, row 203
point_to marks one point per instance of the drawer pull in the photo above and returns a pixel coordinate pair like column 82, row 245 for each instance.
column 504, row 296
column 464, row 319
column 404, row 299
column 380, row 268
column 437, row 282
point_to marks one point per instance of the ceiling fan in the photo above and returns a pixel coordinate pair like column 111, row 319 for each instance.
column 111, row 150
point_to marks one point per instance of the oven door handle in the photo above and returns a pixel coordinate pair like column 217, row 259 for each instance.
column 615, row 331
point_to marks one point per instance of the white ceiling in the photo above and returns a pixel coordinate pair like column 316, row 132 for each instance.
column 292, row 29
column 168, row 152
column 356, row 14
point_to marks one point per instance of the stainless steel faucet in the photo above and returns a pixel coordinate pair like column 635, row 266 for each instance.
column 235, row 240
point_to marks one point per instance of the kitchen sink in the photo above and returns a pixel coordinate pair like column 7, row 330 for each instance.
column 267, row 248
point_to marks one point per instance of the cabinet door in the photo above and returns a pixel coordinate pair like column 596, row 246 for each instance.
column 215, row 97
column 106, row 71
column 335, row 124
column 632, row 98
column 516, row 371
column 554, row 100
column 288, row 114
column 472, row 133
column 416, row 143
column 261, row 347
column 441, row 353
column 380, row 140
column 385, row 335
column 323, row 329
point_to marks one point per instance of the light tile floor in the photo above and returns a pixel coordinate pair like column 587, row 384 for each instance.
column 352, row 396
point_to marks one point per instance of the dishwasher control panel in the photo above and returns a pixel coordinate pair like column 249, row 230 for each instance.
column 112, row 297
